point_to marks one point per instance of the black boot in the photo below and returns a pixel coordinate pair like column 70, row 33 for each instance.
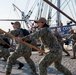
column 7, row 73
column 73, row 58
column 20, row 65
column 67, row 55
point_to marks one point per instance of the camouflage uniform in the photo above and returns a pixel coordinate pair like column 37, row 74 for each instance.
column 55, row 53
column 21, row 50
column 61, row 42
column 73, row 38
column 34, row 43
column 4, row 52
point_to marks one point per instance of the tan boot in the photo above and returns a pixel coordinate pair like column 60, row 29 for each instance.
column 74, row 57
column 7, row 73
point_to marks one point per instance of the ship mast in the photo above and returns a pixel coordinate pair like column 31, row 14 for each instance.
column 58, row 13
column 49, row 14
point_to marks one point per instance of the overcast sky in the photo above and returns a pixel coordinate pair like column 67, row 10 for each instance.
column 7, row 11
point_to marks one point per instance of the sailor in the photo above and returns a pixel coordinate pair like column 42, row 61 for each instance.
column 73, row 38
column 21, row 50
column 4, row 48
column 55, row 49
column 59, row 37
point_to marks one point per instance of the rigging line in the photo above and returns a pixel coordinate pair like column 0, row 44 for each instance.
column 35, row 3
column 37, row 13
column 11, row 10
column 36, row 17
column 63, row 8
column 55, row 1
column 21, row 12
column 75, row 1
column 70, row 10
column 16, row 7
column 28, row 15
column 38, row 10
column 66, row 4
column 27, row 5
column 31, row 10
column 26, row 18
column 73, row 8
column 60, row 6
column 50, row 12
column 41, row 8
column 16, row 12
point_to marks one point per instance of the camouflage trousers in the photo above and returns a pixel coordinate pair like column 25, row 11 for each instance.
column 4, row 53
column 18, row 53
column 49, row 59
column 74, row 50
column 62, row 44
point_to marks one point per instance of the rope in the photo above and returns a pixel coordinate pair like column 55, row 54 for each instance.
column 73, row 7
column 56, row 11
column 70, row 8
column 11, row 10
column 62, row 9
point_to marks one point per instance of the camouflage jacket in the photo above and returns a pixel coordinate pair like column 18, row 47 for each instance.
column 19, row 33
column 73, row 38
column 4, row 40
column 47, row 37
